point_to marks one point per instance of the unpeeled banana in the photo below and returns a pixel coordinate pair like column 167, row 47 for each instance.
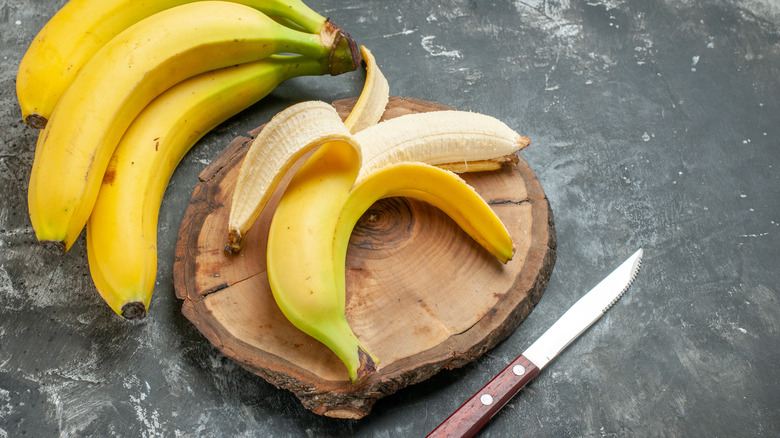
column 310, row 229
column 301, row 270
column 122, row 229
column 126, row 74
column 81, row 27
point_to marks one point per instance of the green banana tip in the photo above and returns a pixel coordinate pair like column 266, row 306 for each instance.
column 134, row 310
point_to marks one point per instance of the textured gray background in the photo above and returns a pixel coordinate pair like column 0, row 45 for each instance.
column 654, row 124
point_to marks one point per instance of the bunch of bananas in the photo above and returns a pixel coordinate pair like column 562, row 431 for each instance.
column 356, row 163
column 122, row 89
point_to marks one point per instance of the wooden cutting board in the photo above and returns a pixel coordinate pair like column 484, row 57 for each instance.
column 421, row 295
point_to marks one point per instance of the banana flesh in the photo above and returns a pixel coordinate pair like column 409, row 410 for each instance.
column 452, row 138
column 437, row 137
column 288, row 136
column 122, row 78
column 122, row 229
column 358, row 162
column 81, row 27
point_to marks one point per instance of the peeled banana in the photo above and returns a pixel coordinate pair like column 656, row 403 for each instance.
column 310, row 230
column 122, row 229
column 81, row 27
column 126, row 74
column 437, row 137
column 354, row 166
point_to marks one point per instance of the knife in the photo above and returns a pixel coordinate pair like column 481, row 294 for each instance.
column 482, row 406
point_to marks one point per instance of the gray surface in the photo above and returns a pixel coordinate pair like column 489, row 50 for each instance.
column 654, row 124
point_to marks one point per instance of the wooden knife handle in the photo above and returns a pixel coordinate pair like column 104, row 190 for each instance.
column 480, row 408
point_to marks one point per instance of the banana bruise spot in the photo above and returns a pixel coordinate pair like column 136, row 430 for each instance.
column 36, row 121
column 134, row 310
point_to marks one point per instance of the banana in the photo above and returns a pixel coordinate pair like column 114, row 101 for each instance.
column 310, row 229
column 439, row 187
column 288, row 136
column 124, row 76
column 81, row 27
column 122, row 229
column 299, row 260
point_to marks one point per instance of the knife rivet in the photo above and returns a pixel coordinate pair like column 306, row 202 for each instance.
column 519, row 370
column 486, row 399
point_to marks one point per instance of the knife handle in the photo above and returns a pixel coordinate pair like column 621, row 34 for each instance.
column 482, row 406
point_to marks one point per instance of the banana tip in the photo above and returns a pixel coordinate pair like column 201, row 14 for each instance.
column 367, row 364
column 36, row 121
column 523, row 141
column 134, row 310
column 235, row 241
column 55, row 246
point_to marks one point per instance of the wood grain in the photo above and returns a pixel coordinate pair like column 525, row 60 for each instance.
column 421, row 295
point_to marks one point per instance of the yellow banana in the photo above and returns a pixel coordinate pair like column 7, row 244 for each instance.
column 311, row 226
column 81, row 27
column 123, row 77
column 122, row 230
column 439, row 187
column 300, row 266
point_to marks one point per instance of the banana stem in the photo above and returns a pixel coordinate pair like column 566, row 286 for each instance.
column 344, row 54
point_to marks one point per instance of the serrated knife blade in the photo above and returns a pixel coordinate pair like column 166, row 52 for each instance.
column 467, row 420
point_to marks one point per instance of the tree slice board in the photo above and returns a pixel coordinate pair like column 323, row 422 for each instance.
column 421, row 295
